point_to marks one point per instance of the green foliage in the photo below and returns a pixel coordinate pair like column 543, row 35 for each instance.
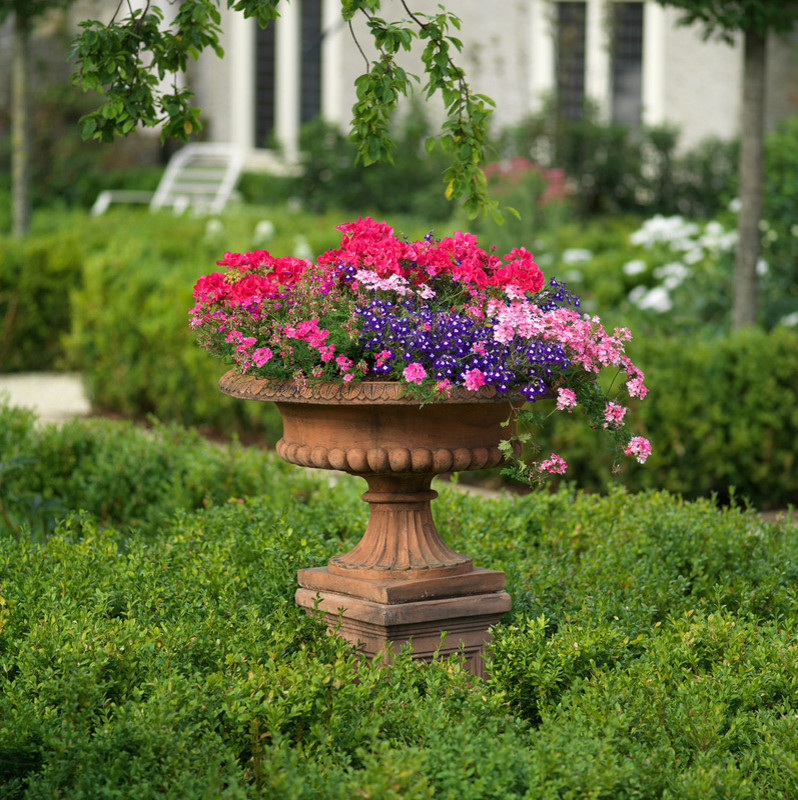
column 614, row 169
column 779, row 213
column 650, row 651
column 127, row 59
column 331, row 179
column 721, row 417
column 36, row 278
column 729, row 18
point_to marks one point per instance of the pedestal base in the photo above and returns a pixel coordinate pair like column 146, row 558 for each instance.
column 379, row 628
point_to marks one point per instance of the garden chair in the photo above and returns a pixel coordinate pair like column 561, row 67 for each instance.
column 200, row 175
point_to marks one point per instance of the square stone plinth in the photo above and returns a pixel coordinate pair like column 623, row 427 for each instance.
column 379, row 628
column 475, row 581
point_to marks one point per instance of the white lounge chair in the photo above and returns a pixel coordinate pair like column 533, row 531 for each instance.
column 201, row 176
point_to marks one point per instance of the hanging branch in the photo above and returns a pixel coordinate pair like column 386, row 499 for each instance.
column 126, row 61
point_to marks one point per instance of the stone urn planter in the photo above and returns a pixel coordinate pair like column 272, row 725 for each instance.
column 401, row 582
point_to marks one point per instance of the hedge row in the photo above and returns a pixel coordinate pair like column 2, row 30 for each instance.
column 721, row 413
column 650, row 651
column 722, row 416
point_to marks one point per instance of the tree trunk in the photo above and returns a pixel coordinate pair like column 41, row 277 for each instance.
column 20, row 126
column 744, row 311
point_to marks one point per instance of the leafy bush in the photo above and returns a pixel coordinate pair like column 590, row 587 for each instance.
column 36, row 278
column 412, row 184
column 614, row 169
column 721, row 416
column 650, row 651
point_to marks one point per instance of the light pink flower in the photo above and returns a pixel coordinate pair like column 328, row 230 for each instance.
column 414, row 373
column 639, row 447
column 566, row 399
column 613, row 415
column 554, row 464
column 636, row 388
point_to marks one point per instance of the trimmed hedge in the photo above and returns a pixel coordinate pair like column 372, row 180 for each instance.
column 722, row 416
column 650, row 651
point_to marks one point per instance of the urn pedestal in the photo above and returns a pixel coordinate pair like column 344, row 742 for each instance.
column 401, row 583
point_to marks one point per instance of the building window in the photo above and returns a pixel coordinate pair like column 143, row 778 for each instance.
column 310, row 61
column 569, row 58
column 265, row 85
column 627, row 63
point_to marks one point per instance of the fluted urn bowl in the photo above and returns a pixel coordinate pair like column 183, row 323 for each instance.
column 398, row 444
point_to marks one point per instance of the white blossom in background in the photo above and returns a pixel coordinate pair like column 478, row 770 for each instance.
column 762, row 267
column 634, row 267
column 657, row 299
column 302, row 249
column 672, row 275
column 674, row 231
column 264, row 231
column 573, row 276
column 213, row 228
column 790, row 320
column 735, row 205
column 576, row 255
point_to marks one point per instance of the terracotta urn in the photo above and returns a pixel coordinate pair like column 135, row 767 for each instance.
column 401, row 582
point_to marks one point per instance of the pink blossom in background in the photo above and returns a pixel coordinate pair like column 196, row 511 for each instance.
column 474, row 378
column 414, row 373
column 566, row 399
column 613, row 415
column 639, row 447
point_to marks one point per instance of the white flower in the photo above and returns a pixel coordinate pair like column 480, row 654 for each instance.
column 576, row 255
column 693, row 256
column 734, row 205
column 213, row 227
column 302, row 248
column 634, row 267
column 790, row 320
column 264, row 231
column 672, row 274
column 657, row 299
column 762, row 267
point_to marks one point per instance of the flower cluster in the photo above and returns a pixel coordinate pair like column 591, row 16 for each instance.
column 434, row 314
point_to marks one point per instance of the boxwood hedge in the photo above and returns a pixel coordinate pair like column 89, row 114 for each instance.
column 154, row 650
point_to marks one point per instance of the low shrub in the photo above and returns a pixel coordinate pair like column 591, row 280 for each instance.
column 721, row 416
column 650, row 651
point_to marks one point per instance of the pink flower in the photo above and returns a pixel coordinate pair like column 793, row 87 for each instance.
column 613, row 415
column 639, row 447
column 343, row 362
column 474, row 378
column 555, row 465
column 261, row 356
column 414, row 373
column 566, row 399
column 326, row 352
column 636, row 388
column 443, row 387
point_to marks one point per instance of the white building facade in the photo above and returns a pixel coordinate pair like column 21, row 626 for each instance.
column 630, row 59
